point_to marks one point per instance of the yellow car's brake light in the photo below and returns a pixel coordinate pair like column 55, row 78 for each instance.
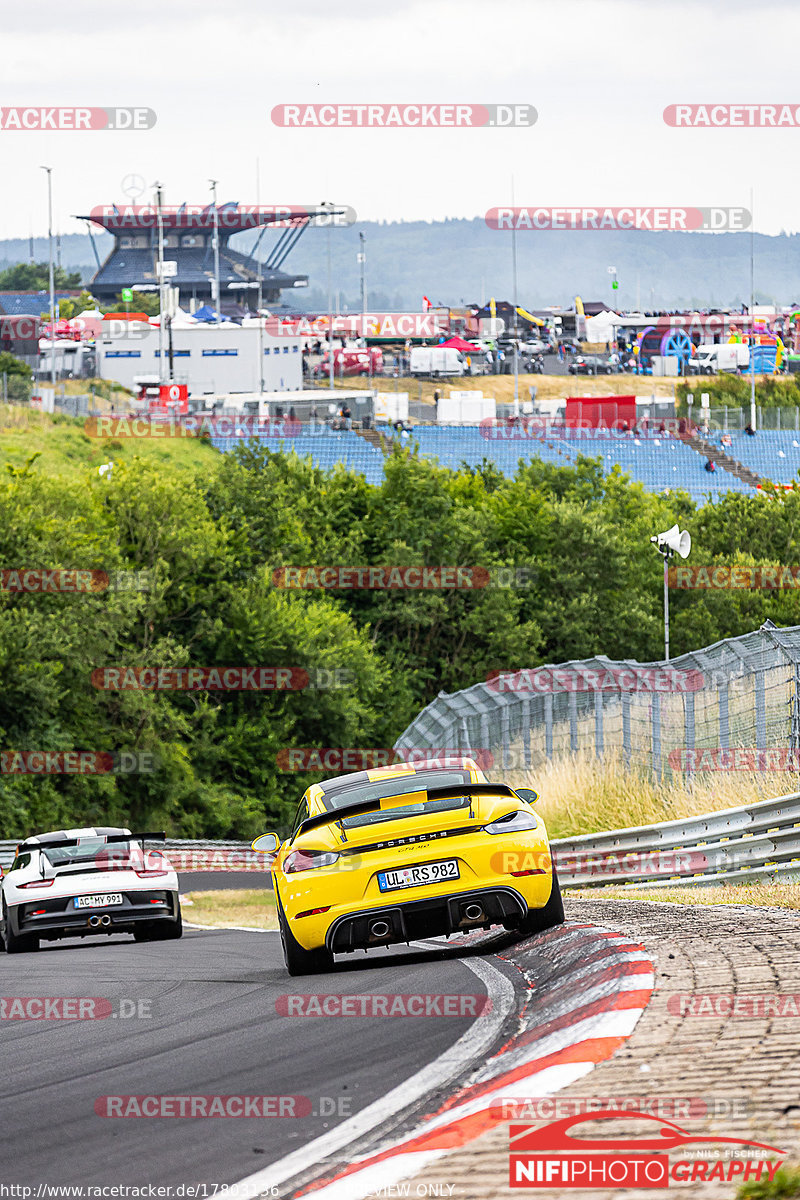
column 307, row 860
column 513, row 822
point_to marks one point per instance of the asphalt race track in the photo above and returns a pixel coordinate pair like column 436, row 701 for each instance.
column 213, row 1029
column 217, row 881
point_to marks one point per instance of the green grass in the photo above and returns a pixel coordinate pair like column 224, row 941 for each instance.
column 65, row 449
column 225, row 909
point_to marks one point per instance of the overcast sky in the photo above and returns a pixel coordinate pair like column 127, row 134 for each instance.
column 600, row 76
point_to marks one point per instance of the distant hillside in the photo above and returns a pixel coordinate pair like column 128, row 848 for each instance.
column 459, row 261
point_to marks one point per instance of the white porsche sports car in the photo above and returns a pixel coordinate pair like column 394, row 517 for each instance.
column 81, row 882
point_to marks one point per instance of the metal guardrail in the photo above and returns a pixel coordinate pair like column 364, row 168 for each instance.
column 757, row 842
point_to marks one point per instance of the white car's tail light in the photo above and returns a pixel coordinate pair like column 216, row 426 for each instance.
column 37, row 883
column 307, row 860
column 151, row 874
column 513, row 822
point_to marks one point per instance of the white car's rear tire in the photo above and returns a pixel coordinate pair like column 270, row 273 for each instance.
column 17, row 943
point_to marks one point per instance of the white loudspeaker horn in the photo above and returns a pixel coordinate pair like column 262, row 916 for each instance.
column 674, row 541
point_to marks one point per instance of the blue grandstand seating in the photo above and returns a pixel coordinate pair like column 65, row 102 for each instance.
column 325, row 450
column 772, row 454
column 29, row 304
column 658, row 463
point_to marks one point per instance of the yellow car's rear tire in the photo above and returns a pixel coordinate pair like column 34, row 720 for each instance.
column 539, row 919
column 300, row 961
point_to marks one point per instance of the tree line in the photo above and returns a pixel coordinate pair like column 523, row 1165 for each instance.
column 185, row 576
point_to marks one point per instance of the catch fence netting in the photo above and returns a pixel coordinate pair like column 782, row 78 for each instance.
column 739, row 696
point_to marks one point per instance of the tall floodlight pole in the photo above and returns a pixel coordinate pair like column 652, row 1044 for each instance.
column 362, row 258
column 49, row 171
column 752, row 317
column 260, row 290
column 328, row 204
column 514, row 267
column 213, row 183
column 161, row 305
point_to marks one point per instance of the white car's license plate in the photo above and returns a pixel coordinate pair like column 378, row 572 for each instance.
column 405, row 877
column 98, row 901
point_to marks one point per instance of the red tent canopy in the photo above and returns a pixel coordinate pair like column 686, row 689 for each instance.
column 458, row 343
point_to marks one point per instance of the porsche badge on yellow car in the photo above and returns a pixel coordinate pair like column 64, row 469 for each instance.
column 401, row 853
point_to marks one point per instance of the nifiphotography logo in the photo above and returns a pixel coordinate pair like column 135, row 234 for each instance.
column 550, row 1157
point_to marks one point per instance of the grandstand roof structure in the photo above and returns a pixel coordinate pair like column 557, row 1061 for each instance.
column 188, row 232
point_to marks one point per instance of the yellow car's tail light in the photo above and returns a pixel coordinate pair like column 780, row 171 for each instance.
column 512, row 822
column 307, row 860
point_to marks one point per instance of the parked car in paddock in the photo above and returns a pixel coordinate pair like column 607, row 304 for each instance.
column 593, row 364
column 351, row 362
column 399, row 853
column 81, row 882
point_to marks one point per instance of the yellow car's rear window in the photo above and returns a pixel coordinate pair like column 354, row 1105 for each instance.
column 367, row 789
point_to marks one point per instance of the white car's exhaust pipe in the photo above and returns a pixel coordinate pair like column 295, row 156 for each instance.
column 105, row 920
column 94, row 922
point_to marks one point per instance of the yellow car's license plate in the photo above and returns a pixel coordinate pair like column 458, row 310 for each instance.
column 405, row 877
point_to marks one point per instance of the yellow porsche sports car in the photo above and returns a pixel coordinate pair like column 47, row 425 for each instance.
column 401, row 853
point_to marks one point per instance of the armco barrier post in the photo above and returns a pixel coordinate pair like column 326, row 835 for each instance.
column 526, row 731
column 724, row 717
column 626, row 727
column 761, row 713
column 506, row 737
column 655, row 710
column 688, row 720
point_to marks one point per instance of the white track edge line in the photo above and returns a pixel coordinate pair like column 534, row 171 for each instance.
column 469, row 1048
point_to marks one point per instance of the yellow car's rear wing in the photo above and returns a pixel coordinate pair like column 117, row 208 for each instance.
column 440, row 793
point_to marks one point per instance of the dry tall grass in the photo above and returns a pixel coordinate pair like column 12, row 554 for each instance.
column 585, row 795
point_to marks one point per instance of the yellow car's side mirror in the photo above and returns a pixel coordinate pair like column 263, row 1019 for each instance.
column 267, row 843
column 527, row 794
